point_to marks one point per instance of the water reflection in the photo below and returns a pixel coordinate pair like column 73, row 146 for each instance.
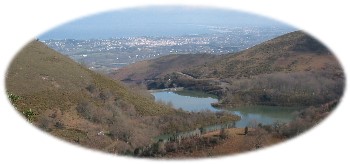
column 183, row 99
column 250, row 115
column 264, row 114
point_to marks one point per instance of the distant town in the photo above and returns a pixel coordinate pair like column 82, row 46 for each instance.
column 110, row 54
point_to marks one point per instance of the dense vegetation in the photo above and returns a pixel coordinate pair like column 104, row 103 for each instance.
column 81, row 106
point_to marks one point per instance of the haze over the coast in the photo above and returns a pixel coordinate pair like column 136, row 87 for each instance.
column 156, row 21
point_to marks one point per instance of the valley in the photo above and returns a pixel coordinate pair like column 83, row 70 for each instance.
column 290, row 70
column 157, row 108
column 280, row 88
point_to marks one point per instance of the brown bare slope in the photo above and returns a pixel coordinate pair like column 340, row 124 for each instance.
column 293, row 69
column 38, row 70
column 73, row 103
column 293, row 52
column 159, row 67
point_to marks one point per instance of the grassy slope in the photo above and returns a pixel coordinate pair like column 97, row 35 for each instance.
column 43, row 75
column 78, row 105
column 51, row 85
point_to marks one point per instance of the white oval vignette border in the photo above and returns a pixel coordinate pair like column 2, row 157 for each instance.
column 23, row 20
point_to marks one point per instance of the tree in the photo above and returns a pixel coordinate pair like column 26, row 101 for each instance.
column 29, row 114
column 91, row 88
column 84, row 108
column 223, row 133
column 246, row 130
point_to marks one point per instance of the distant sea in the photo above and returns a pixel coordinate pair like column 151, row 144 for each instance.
column 156, row 21
column 150, row 30
column 153, row 30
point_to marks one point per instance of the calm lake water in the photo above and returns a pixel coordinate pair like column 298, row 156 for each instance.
column 250, row 115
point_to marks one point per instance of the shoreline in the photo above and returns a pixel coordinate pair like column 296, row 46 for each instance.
column 166, row 89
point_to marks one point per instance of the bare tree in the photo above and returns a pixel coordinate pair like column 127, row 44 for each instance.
column 246, row 130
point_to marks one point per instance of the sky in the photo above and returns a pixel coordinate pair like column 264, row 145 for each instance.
column 154, row 21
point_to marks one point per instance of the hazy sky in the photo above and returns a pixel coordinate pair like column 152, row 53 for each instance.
column 154, row 21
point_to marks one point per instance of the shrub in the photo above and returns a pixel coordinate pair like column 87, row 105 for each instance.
column 59, row 125
column 29, row 114
column 223, row 134
column 84, row 108
column 121, row 130
column 91, row 88
column 104, row 95
column 13, row 98
column 171, row 147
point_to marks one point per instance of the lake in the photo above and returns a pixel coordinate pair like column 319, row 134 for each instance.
column 250, row 115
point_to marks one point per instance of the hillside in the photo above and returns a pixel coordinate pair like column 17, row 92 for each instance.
column 51, row 75
column 291, row 70
column 159, row 67
column 293, row 52
column 73, row 103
